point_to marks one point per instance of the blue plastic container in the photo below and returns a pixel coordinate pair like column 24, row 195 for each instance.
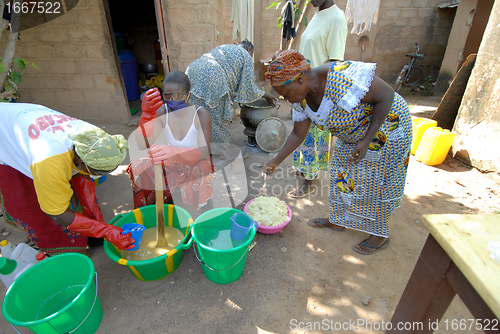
column 128, row 63
column 241, row 226
column 137, row 231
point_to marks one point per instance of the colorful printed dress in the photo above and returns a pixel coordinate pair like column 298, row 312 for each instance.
column 313, row 154
column 362, row 195
column 218, row 78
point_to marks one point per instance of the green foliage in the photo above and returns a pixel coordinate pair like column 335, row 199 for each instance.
column 14, row 78
column 297, row 12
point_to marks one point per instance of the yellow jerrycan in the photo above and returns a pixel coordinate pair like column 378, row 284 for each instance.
column 419, row 126
column 434, row 146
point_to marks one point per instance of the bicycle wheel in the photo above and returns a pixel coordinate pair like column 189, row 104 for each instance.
column 400, row 79
column 416, row 74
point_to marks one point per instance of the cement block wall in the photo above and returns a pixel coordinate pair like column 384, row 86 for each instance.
column 77, row 73
column 400, row 24
column 191, row 28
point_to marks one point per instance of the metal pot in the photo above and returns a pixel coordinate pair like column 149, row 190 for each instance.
column 149, row 68
column 254, row 113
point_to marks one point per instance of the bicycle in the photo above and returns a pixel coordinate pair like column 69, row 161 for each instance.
column 410, row 74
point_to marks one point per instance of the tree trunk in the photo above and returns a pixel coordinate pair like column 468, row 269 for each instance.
column 11, row 47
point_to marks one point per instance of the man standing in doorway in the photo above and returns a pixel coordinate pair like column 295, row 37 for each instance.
column 322, row 41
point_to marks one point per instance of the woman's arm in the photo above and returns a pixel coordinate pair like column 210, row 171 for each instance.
column 381, row 96
column 65, row 218
column 158, row 127
column 296, row 137
column 204, row 133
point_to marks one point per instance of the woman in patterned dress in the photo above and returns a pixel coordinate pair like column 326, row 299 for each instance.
column 370, row 158
column 220, row 77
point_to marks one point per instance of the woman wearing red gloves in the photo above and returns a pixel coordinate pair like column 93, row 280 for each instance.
column 46, row 158
column 187, row 132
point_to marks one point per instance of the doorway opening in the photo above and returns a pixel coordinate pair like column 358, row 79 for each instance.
column 135, row 32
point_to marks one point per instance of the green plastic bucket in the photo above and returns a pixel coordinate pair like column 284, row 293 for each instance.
column 57, row 295
column 223, row 260
column 161, row 266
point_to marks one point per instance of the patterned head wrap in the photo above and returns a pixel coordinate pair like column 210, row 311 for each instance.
column 287, row 67
column 99, row 150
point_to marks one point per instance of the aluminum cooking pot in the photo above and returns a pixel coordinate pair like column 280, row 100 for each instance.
column 253, row 113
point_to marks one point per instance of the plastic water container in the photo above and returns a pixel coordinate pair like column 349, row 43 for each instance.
column 419, row 126
column 128, row 64
column 7, row 248
column 39, row 257
column 24, row 254
column 434, row 146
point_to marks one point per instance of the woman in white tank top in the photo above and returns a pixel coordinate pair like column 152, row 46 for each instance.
column 187, row 167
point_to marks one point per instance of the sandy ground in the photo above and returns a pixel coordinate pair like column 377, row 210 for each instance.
column 297, row 276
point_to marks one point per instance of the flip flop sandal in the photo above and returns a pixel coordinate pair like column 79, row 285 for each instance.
column 290, row 193
column 314, row 221
column 376, row 248
column 295, row 172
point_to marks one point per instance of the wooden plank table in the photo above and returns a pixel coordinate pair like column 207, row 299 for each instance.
column 454, row 260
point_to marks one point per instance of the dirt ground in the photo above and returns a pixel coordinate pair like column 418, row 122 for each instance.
column 299, row 276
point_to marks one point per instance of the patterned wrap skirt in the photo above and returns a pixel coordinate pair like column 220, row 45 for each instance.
column 22, row 211
column 364, row 195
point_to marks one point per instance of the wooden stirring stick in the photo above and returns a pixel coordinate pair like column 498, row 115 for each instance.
column 161, row 241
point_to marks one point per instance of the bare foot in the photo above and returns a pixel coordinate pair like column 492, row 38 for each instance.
column 371, row 245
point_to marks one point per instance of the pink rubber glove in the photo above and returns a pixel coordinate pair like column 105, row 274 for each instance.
column 93, row 228
column 85, row 192
column 170, row 155
column 151, row 101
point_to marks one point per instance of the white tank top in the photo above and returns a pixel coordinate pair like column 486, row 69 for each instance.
column 190, row 140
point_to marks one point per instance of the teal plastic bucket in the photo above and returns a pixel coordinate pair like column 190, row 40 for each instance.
column 223, row 259
column 55, row 296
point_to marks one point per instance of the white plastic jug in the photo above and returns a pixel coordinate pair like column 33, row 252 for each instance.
column 7, row 248
column 24, row 255
column 39, row 257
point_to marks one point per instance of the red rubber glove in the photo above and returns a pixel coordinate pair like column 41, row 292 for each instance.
column 85, row 192
column 151, row 101
column 170, row 155
column 93, row 228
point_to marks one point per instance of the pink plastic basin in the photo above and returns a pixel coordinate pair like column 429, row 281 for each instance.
column 271, row 229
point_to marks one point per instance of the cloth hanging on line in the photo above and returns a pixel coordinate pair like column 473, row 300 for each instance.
column 242, row 14
column 362, row 13
column 288, row 20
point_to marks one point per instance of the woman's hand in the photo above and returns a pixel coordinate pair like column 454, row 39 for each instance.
column 269, row 168
column 358, row 153
column 169, row 155
column 271, row 99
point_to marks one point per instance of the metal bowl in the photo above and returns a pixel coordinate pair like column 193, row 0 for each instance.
column 149, row 68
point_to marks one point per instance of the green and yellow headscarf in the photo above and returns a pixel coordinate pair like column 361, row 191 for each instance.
column 99, row 150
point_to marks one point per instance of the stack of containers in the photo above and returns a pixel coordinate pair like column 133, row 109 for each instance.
column 419, row 125
column 430, row 143
column 15, row 261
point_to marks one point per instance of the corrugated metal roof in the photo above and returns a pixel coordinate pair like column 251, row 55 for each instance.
column 448, row 4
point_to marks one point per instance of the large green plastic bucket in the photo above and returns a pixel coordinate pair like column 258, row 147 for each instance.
column 161, row 266
column 221, row 266
column 57, row 295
